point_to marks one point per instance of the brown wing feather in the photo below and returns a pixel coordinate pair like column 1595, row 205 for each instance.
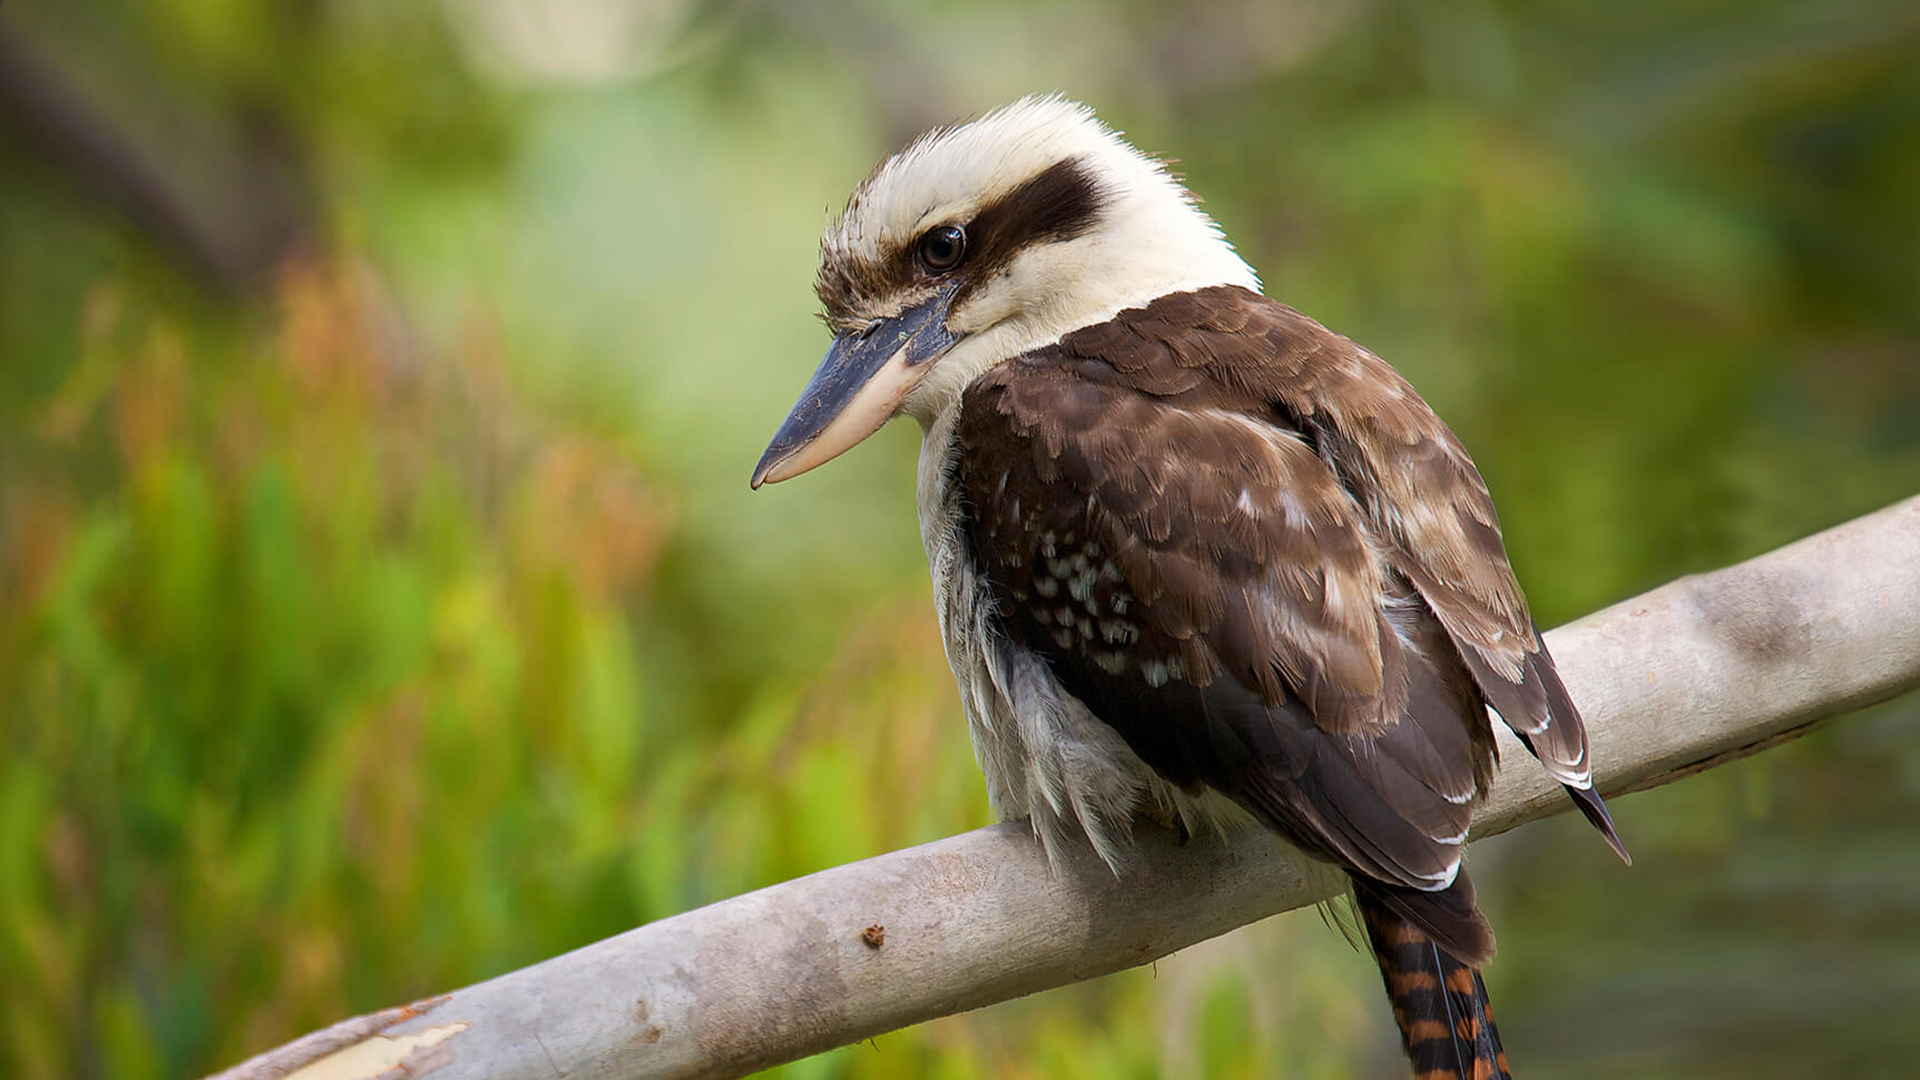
column 1421, row 497
column 1239, row 547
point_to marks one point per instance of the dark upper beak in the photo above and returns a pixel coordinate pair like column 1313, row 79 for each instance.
column 861, row 382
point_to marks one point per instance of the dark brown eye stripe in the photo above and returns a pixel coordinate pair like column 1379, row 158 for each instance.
column 1060, row 203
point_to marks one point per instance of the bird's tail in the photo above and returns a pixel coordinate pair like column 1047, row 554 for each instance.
column 1439, row 1002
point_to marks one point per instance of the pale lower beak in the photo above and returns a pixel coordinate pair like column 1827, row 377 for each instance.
column 862, row 381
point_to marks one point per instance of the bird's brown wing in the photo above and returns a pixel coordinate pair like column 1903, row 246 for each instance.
column 1423, row 501
column 1195, row 573
column 1227, row 545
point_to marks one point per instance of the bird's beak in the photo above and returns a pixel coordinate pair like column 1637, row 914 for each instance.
column 861, row 382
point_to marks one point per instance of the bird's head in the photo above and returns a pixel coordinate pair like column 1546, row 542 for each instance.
column 978, row 243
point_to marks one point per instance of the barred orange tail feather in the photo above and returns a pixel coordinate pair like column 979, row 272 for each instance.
column 1440, row 1003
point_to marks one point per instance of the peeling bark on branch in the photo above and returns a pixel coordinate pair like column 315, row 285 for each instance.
column 1696, row 673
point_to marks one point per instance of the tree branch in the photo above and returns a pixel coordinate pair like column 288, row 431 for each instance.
column 1693, row 674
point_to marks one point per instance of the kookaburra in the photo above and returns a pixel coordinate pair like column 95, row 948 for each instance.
column 1188, row 545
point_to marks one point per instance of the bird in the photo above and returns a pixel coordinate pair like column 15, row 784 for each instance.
column 1195, row 557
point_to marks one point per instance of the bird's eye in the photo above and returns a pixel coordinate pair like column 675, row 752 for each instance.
column 942, row 248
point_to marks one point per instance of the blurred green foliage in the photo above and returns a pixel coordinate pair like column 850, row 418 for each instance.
column 388, row 610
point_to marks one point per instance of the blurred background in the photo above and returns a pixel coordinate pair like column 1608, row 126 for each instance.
column 383, row 607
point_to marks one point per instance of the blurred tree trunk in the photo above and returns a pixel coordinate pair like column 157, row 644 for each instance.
column 229, row 220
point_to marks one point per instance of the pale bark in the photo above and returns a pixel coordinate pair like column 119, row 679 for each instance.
column 1693, row 674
